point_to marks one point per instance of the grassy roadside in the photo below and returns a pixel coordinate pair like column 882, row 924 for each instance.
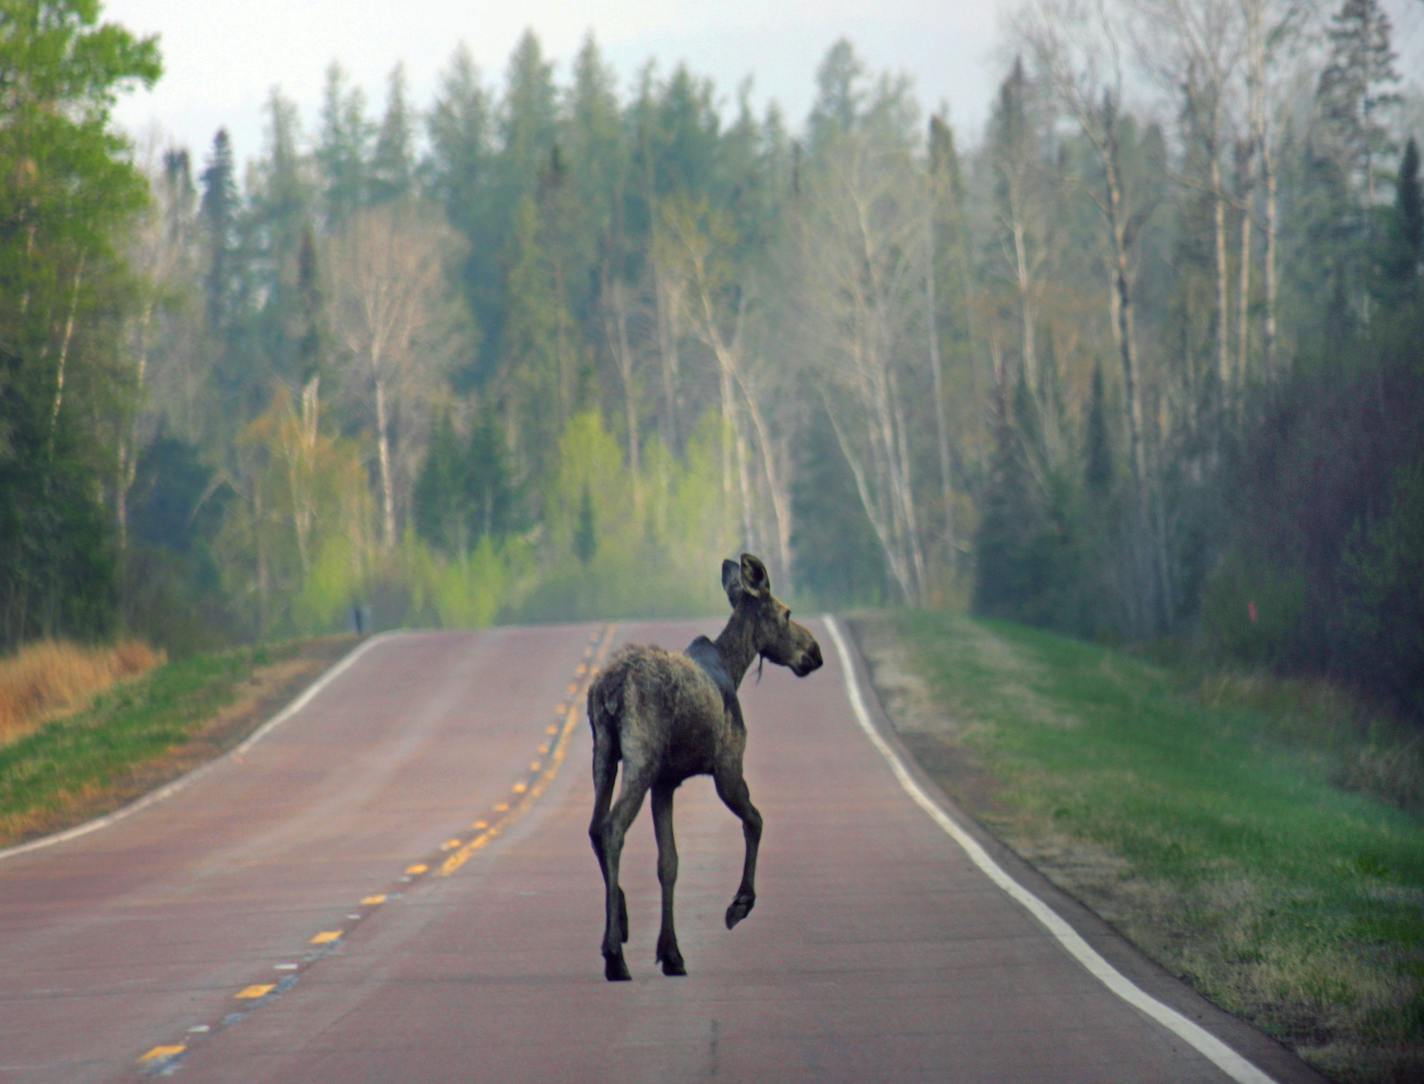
column 1233, row 829
column 144, row 732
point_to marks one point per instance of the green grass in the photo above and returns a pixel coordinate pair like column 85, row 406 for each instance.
column 79, row 761
column 1225, row 824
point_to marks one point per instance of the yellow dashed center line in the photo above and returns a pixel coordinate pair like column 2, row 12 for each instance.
column 551, row 754
column 543, row 770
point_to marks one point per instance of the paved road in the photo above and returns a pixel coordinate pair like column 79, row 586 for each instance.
column 398, row 878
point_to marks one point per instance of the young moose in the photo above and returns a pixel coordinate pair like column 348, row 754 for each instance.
column 669, row 717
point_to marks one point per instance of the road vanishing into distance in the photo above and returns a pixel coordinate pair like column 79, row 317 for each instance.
column 393, row 882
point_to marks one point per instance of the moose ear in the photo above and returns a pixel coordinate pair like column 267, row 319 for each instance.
column 731, row 581
column 755, row 578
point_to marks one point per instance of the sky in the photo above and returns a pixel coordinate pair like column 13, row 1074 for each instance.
column 222, row 57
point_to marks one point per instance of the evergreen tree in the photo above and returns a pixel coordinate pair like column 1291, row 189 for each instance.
column 592, row 141
column 219, row 212
column 536, row 375
column 279, row 221
column 457, row 175
column 840, row 96
column 393, row 161
column 586, row 531
column 307, row 330
column 1356, row 91
column 1097, row 440
column 528, row 114
column 68, row 193
column 343, row 148
column 1402, row 246
column 439, row 504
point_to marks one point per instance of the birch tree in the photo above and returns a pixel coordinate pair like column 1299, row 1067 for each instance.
column 392, row 320
column 699, row 240
column 861, row 255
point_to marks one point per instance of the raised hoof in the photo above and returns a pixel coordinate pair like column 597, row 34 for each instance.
column 615, row 969
column 623, row 915
column 741, row 907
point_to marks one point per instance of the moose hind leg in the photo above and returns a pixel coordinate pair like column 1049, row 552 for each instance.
column 605, row 773
column 668, row 954
column 732, row 789
column 615, row 828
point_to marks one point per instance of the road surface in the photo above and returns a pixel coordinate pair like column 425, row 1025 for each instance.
column 395, row 883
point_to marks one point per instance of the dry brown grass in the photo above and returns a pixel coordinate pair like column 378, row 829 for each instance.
column 49, row 678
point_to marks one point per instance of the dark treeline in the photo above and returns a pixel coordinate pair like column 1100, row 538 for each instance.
column 1141, row 359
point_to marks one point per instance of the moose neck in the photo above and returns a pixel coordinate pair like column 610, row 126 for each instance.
column 737, row 646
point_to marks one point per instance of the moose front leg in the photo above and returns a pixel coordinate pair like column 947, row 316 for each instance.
column 668, row 954
column 732, row 789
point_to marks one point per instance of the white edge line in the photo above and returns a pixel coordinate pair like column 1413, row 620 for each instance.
column 170, row 789
column 1207, row 1044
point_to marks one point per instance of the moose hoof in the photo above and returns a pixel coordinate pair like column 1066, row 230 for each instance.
column 741, row 907
column 672, row 962
column 615, row 969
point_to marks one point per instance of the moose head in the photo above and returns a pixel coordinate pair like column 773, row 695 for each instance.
column 768, row 625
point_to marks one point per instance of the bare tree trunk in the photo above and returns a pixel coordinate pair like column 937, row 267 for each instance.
column 1223, row 276
column 66, row 337
column 937, row 376
column 1243, row 291
column 1127, row 338
column 260, row 547
column 301, row 468
column 615, row 329
column 1026, row 308
column 907, row 492
column 1268, row 336
column 894, row 557
column 127, row 454
column 383, row 454
column 668, row 306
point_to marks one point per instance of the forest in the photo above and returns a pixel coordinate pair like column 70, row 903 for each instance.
column 1141, row 361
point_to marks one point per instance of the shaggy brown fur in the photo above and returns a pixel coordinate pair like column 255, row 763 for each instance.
column 669, row 717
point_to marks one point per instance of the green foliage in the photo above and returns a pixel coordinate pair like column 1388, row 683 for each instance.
column 1383, row 572
column 1324, row 533
column 67, row 193
column 98, row 749
column 1209, row 814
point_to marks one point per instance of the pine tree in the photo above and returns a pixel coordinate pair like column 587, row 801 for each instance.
column 1402, row 244
column 392, row 174
column 1355, row 92
column 343, row 148
column 492, row 500
column 218, row 212
column 1097, row 440
column 840, row 96
column 457, row 176
column 527, row 119
column 586, row 531
column 279, row 216
column 68, row 196
column 439, row 499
